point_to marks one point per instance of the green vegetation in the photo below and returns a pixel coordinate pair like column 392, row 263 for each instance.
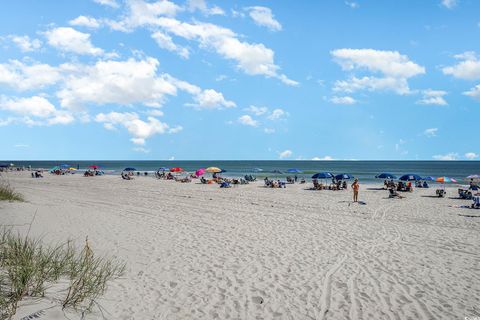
column 28, row 269
column 8, row 193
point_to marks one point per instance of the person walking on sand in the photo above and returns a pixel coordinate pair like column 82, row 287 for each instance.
column 355, row 187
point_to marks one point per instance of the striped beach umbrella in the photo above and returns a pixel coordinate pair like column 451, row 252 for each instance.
column 214, row 170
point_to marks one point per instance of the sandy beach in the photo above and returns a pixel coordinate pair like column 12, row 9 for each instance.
column 199, row 252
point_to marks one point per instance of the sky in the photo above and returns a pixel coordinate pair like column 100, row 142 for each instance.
column 233, row 80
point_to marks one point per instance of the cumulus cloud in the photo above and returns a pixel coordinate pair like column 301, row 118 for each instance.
column 433, row 97
column 285, row 154
column 164, row 41
column 139, row 129
column 394, row 67
column 325, row 158
column 449, row 4
column 84, row 21
column 430, row 132
column 36, row 107
column 474, row 92
column 471, row 155
column 258, row 111
column 251, row 58
column 263, row 16
column 201, row 5
column 343, row 100
column 109, row 3
column 21, row 76
column 468, row 67
column 277, row 114
column 448, row 156
column 211, row 99
column 70, row 40
column 352, row 4
column 25, row 43
column 248, row 121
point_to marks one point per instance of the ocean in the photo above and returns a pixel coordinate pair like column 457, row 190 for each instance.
column 364, row 170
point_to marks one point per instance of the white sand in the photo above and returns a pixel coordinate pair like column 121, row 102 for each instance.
column 199, row 252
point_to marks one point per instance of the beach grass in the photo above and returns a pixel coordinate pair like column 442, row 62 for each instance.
column 8, row 193
column 29, row 269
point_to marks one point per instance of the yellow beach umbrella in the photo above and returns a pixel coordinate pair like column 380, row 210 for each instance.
column 72, row 169
column 214, row 170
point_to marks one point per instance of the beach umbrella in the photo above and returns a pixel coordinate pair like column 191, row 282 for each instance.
column 386, row 175
column 445, row 180
column 4, row 165
column 129, row 169
column 294, row 170
column 72, row 169
column 322, row 175
column 163, row 169
column 199, row 172
column 428, row 178
column 176, row 169
column 64, row 165
column 214, row 170
column 410, row 177
column 343, row 176
column 55, row 168
column 94, row 167
column 470, row 177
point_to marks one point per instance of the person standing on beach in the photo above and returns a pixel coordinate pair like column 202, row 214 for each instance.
column 355, row 187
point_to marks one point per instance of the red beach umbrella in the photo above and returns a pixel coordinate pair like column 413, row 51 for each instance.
column 95, row 167
column 176, row 170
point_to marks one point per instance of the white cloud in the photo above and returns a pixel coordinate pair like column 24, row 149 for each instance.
column 164, row 41
column 251, row 58
column 263, row 16
column 248, row 121
column 201, row 5
column 139, row 129
column 211, row 99
column 20, row 76
column 352, row 4
column 448, row 156
column 37, row 107
column 468, row 68
column 434, row 97
column 430, row 132
column 343, row 100
column 471, row 155
column 258, row 111
column 116, row 82
column 285, row 154
column 449, row 4
column 474, row 92
column 325, row 158
column 21, row 145
column 277, row 114
column 109, row 3
column 85, row 21
column 394, row 67
column 70, row 40
column 142, row 150
column 25, row 43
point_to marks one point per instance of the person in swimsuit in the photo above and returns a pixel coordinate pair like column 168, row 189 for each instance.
column 355, row 187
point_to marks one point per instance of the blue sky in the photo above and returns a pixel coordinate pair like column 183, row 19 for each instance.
column 334, row 79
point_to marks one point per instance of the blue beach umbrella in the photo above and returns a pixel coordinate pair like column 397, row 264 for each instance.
column 410, row 177
column 294, row 170
column 386, row 175
column 344, row 176
column 322, row 175
column 163, row 169
column 129, row 169
column 428, row 178
column 64, row 165
column 4, row 165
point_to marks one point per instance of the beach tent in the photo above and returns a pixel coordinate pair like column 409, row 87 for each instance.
column 410, row 177
column 344, row 176
column 294, row 170
column 386, row 175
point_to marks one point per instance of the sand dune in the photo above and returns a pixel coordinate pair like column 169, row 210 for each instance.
column 199, row 252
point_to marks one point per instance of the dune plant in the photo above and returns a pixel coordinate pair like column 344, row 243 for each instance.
column 28, row 269
column 8, row 193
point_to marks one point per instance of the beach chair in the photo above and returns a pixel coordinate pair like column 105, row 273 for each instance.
column 225, row 184
column 440, row 193
column 476, row 202
column 393, row 194
column 464, row 194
